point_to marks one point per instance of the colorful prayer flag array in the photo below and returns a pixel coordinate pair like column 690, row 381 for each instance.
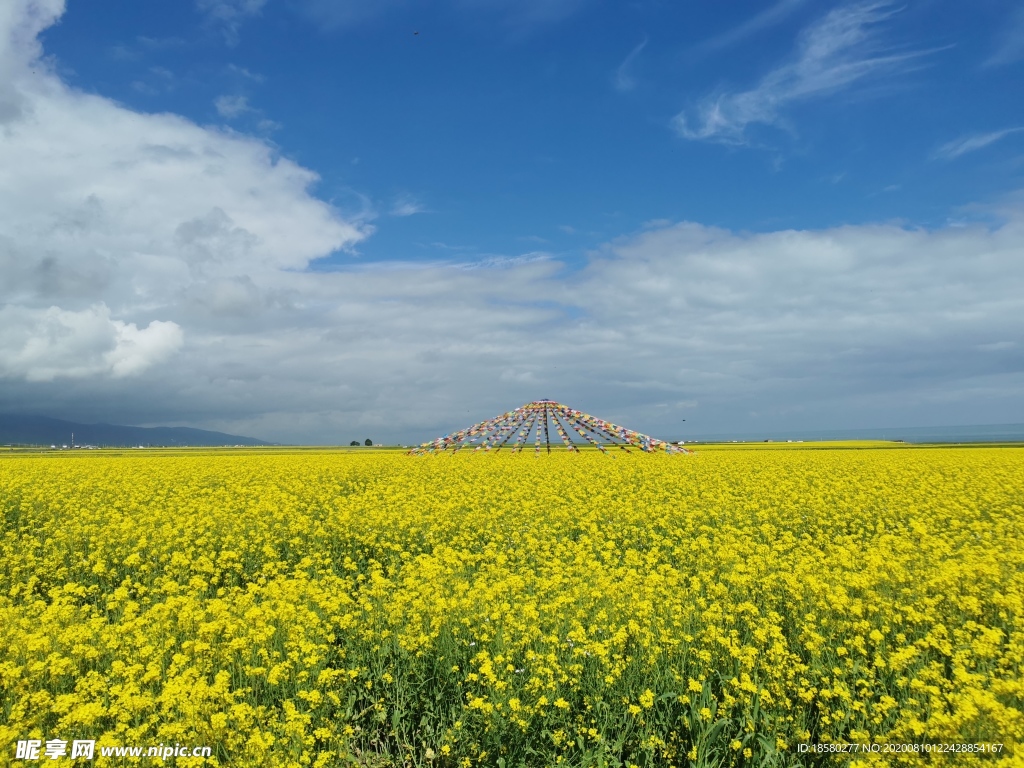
column 536, row 418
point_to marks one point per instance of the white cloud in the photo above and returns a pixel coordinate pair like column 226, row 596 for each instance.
column 229, row 14
column 43, row 345
column 229, row 10
column 231, row 107
column 243, row 73
column 769, row 17
column 21, row 21
column 406, row 205
column 266, row 126
column 833, row 54
column 961, row 146
column 109, row 219
column 152, row 270
column 136, row 350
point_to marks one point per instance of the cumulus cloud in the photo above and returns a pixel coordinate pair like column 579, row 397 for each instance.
column 833, row 54
column 155, row 271
column 110, row 219
column 21, row 21
column 43, row 345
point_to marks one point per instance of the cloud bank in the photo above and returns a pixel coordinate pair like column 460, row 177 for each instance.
column 153, row 270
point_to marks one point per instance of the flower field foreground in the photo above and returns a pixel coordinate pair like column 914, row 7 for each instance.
column 332, row 608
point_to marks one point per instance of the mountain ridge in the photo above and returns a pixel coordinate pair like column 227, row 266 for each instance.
column 30, row 429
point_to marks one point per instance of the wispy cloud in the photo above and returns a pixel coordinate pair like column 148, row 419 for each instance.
column 405, row 205
column 525, row 14
column 158, row 80
column 144, row 45
column 160, row 43
column 769, row 17
column 231, row 107
column 243, row 73
column 335, row 14
column 835, row 53
column 229, row 14
column 961, row 146
column 518, row 15
column 1010, row 45
column 482, row 262
column 449, row 246
column 623, row 81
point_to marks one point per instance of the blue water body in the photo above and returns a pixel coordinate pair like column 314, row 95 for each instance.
column 974, row 433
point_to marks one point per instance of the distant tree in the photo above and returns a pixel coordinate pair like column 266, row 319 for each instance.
column 354, row 442
column 368, row 442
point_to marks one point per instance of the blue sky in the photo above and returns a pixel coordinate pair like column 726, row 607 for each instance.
column 507, row 127
column 564, row 170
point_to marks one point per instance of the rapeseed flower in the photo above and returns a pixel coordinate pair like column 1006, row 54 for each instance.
column 318, row 608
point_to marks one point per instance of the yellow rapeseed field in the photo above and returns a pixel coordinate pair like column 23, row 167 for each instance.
column 370, row 608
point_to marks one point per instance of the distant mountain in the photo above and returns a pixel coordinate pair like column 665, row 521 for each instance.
column 40, row 430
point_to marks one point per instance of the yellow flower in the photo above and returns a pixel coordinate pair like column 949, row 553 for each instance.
column 297, row 603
